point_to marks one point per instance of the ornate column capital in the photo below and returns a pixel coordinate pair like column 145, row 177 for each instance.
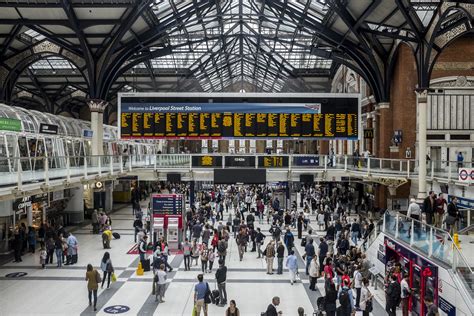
column 382, row 105
column 422, row 95
column 97, row 105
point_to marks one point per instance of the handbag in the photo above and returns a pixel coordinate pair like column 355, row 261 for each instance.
column 207, row 296
column 97, row 277
column 114, row 277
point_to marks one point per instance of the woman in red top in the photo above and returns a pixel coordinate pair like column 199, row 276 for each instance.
column 215, row 240
column 328, row 272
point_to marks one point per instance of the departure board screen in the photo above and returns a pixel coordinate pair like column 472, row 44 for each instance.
column 229, row 116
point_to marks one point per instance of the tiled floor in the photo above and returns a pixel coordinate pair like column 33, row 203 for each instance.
column 64, row 292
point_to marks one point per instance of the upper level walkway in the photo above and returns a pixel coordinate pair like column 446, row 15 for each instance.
column 19, row 176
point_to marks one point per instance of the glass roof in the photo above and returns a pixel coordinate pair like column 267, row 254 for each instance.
column 52, row 63
column 240, row 41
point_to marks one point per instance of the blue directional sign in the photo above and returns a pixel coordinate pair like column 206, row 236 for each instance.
column 16, row 275
column 116, row 309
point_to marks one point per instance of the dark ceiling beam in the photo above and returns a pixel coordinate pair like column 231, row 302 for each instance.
column 74, row 23
column 9, row 40
column 412, row 18
column 49, row 105
column 387, row 34
column 83, row 23
column 78, row 4
column 368, row 11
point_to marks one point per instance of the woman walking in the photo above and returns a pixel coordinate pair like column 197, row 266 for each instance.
column 107, row 267
column 204, row 257
column 313, row 273
column 93, row 279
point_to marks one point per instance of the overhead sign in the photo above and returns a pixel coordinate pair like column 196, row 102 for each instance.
column 368, row 133
column 273, row 161
column 167, row 204
column 207, row 161
column 240, row 161
column 48, row 129
column 466, row 175
column 87, row 133
column 228, row 116
column 306, row 161
column 8, row 124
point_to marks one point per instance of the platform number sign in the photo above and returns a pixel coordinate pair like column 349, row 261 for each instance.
column 116, row 309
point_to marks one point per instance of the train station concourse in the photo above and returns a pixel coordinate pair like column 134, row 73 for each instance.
column 237, row 157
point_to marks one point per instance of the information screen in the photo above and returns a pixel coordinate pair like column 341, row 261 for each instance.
column 229, row 116
column 207, row 161
column 167, row 204
column 273, row 161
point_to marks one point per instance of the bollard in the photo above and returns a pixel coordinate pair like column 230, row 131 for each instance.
column 140, row 269
column 456, row 240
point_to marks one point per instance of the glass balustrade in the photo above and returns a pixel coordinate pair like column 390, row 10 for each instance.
column 36, row 169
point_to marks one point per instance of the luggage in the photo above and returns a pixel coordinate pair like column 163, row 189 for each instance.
column 215, row 297
column 116, row 235
column 146, row 265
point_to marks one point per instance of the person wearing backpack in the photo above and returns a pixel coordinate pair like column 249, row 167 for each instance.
column 221, row 277
column 107, row 268
column 345, row 299
column 222, row 249
column 330, row 298
column 204, row 257
column 393, row 296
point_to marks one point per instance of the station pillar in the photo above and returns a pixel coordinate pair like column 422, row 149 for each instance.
column 421, row 101
column 97, row 108
column 384, row 130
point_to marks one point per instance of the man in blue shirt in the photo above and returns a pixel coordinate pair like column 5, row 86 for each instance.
column 309, row 254
column 292, row 265
column 200, row 290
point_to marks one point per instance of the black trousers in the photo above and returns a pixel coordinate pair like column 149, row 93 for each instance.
column 95, row 297
column 312, row 284
column 187, row 262
column 358, row 292
column 17, row 254
column 391, row 309
column 109, row 275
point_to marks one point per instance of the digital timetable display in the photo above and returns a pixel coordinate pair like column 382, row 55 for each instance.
column 227, row 116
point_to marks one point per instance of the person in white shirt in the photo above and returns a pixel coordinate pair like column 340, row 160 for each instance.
column 405, row 295
column 160, row 279
column 414, row 210
column 357, row 284
column 365, row 298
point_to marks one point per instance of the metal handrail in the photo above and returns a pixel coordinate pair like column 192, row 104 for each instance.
column 432, row 228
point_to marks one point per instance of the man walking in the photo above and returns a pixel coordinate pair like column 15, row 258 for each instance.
column 292, row 265
column 393, row 295
column 270, row 254
column 259, row 240
column 221, row 277
column 310, row 252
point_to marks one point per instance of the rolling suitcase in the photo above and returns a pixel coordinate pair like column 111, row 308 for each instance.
column 116, row 235
column 215, row 297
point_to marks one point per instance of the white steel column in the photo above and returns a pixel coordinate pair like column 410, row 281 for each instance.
column 97, row 108
column 422, row 105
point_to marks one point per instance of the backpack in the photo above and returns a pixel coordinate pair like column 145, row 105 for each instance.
column 221, row 247
column 344, row 298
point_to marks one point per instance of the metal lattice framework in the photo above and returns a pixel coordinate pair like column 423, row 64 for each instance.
column 56, row 54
